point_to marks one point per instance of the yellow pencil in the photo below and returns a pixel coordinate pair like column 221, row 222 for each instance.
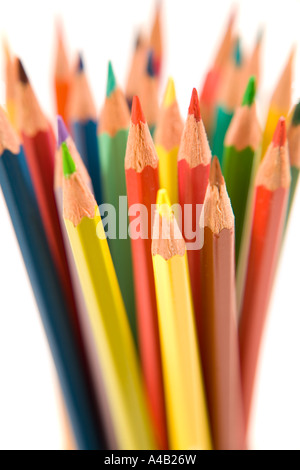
column 184, row 390
column 280, row 103
column 106, row 312
column 167, row 139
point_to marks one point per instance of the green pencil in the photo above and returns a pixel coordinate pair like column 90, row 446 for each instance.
column 241, row 144
column 112, row 137
column 229, row 99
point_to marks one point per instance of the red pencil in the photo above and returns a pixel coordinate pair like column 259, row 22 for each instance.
column 39, row 149
column 194, row 159
column 141, row 167
column 270, row 203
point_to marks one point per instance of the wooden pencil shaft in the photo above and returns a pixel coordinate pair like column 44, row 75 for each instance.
column 219, row 340
column 14, row 179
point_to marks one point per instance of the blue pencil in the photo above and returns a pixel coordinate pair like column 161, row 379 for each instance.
column 83, row 120
column 20, row 200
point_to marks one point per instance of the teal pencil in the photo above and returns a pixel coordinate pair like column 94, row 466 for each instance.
column 112, row 138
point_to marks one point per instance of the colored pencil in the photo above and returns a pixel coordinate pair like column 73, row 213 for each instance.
column 112, row 138
column 270, row 204
column 219, row 332
column 49, row 295
column 280, row 102
column 156, row 40
column 10, row 74
column 62, row 76
column 39, row 150
column 229, row 99
column 194, row 159
column 83, row 121
column 293, row 137
column 215, row 76
column 115, row 346
column 185, row 398
column 167, row 140
column 148, row 94
column 141, row 167
column 241, row 144
column 137, row 68
column 93, row 360
column 253, row 65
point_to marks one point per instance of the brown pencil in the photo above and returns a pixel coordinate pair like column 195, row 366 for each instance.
column 219, row 334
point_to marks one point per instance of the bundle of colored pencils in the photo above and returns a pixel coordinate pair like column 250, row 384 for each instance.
column 152, row 263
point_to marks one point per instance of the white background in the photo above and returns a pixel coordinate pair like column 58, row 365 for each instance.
column 103, row 30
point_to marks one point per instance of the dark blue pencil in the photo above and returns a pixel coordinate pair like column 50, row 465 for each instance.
column 21, row 202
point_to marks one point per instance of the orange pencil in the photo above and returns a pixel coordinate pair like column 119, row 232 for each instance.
column 137, row 68
column 62, row 77
column 156, row 42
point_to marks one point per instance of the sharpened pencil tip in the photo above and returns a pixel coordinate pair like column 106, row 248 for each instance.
column 69, row 166
column 237, row 53
column 150, row 65
column 62, row 133
column 111, row 80
column 137, row 114
column 296, row 115
column 279, row 137
column 21, row 72
column 80, row 63
column 250, row 92
column 194, row 108
column 215, row 174
column 163, row 204
column 170, row 94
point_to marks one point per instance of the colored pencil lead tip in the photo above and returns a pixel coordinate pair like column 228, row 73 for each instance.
column 69, row 166
column 6, row 49
column 194, row 107
column 150, row 65
column 260, row 35
column 250, row 92
column 170, row 94
column 21, row 72
column 162, row 198
column 62, row 133
column 80, row 63
column 138, row 40
column 137, row 114
column 296, row 115
column 215, row 174
column 163, row 204
column 237, row 53
column 111, row 80
column 279, row 137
